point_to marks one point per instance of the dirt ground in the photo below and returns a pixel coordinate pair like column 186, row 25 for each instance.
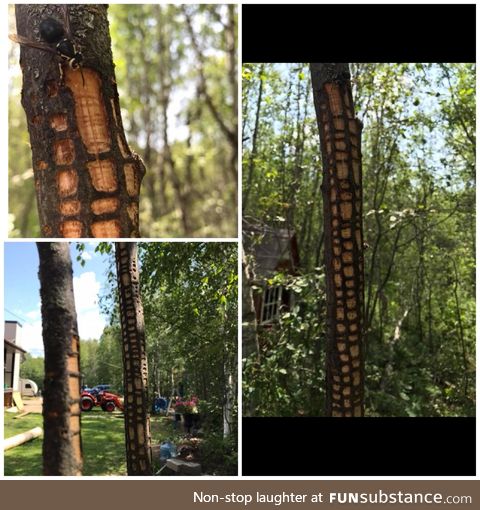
column 32, row 404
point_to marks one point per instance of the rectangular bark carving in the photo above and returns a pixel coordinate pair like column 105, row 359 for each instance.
column 342, row 193
column 78, row 143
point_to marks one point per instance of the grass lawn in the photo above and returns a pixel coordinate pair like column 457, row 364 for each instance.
column 102, row 437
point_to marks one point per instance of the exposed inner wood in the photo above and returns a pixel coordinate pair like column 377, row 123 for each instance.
column 79, row 149
column 340, row 139
column 131, row 179
column 64, row 152
column 89, row 109
column 58, row 122
column 71, row 229
column 103, row 175
column 108, row 228
column 67, row 182
column 105, row 205
column 134, row 355
column 69, row 207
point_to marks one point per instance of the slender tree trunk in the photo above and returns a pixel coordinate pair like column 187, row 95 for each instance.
column 164, row 98
column 342, row 197
column 87, row 179
column 228, row 404
column 250, row 344
column 253, row 153
column 229, row 129
column 249, row 319
column 135, row 365
column 62, row 444
column 461, row 332
column 230, row 36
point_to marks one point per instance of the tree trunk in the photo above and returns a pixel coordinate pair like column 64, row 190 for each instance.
column 230, row 37
column 250, row 343
column 253, row 152
column 342, row 196
column 228, row 128
column 135, row 365
column 62, row 444
column 228, row 403
column 166, row 84
column 87, row 179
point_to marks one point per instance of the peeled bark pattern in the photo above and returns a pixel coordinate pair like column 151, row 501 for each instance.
column 87, row 179
column 342, row 195
column 62, row 445
column 137, row 419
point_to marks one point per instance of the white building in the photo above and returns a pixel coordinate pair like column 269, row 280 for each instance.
column 13, row 353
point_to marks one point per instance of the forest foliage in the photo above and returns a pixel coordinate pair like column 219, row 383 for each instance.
column 189, row 294
column 418, row 146
column 176, row 72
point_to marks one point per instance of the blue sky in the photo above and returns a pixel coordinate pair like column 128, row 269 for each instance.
column 22, row 295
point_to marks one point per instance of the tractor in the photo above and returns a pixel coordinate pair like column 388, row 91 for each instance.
column 106, row 400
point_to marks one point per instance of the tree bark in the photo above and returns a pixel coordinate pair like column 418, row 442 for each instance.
column 342, row 197
column 62, row 444
column 253, row 153
column 135, row 365
column 229, row 129
column 250, row 343
column 87, row 179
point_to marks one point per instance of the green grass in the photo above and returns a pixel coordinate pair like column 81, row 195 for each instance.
column 26, row 459
column 102, row 438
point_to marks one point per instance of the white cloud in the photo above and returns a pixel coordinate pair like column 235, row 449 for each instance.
column 86, row 289
column 90, row 323
column 34, row 314
column 31, row 339
column 86, row 256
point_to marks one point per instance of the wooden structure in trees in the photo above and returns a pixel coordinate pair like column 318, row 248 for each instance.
column 340, row 135
column 272, row 250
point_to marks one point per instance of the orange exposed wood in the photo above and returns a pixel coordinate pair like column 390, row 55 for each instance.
column 105, row 205
column 89, row 109
column 70, row 207
column 340, row 142
column 103, row 175
column 71, row 229
column 64, row 152
column 108, row 229
column 87, row 180
column 67, row 182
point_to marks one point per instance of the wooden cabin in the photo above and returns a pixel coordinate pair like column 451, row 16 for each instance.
column 272, row 250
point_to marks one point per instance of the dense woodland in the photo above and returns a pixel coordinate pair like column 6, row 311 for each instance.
column 418, row 147
column 189, row 294
column 176, row 73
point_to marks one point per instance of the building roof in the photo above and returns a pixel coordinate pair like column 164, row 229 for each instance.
column 14, row 322
column 14, row 346
column 273, row 248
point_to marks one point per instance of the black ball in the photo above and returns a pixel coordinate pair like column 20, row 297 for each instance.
column 51, row 30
